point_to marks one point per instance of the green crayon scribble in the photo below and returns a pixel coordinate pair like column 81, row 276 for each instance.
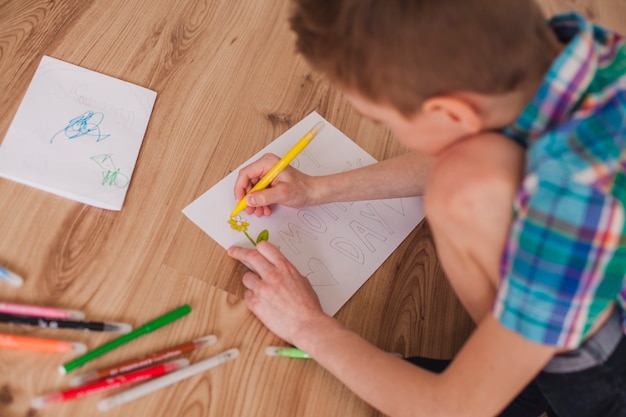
column 111, row 174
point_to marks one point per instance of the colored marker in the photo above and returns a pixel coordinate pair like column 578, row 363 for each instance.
column 143, row 361
column 96, row 326
column 115, row 343
column 169, row 379
column 10, row 277
column 293, row 352
column 11, row 341
column 289, row 352
column 109, row 384
column 280, row 166
column 38, row 311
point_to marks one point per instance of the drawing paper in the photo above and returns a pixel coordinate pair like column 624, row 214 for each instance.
column 336, row 246
column 77, row 133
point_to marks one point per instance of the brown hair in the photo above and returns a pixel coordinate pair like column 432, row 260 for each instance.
column 404, row 51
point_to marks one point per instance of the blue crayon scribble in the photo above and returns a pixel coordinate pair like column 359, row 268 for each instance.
column 111, row 175
column 87, row 124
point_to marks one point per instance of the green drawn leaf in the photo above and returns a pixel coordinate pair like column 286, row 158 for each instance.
column 264, row 235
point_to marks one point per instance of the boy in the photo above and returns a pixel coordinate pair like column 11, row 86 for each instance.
column 531, row 237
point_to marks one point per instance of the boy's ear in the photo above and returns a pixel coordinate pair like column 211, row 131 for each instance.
column 461, row 113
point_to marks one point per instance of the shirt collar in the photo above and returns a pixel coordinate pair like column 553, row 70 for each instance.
column 565, row 83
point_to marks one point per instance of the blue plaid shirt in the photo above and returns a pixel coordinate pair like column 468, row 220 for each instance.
column 565, row 261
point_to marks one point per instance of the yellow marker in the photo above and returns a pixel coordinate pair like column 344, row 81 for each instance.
column 280, row 165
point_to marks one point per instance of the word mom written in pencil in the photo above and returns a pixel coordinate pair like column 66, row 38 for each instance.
column 368, row 230
column 81, row 94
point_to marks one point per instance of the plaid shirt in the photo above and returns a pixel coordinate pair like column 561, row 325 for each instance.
column 565, row 261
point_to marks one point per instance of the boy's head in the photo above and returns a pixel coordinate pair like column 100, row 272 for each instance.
column 434, row 71
column 400, row 53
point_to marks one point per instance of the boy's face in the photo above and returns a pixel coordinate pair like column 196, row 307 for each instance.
column 427, row 132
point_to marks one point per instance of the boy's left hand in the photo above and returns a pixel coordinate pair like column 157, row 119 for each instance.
column 277, row 293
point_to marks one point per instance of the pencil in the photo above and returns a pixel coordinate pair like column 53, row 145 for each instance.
column 280, row 166
column 11, row 341
column 115, row 343
column 143, row 361
column 169, row 379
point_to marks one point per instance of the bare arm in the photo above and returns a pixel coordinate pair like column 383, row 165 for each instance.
column 401, row 176
column 490, row 370
column 493, row 366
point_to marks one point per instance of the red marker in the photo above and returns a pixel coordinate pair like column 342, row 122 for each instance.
column 109, row 383
column 142, row 362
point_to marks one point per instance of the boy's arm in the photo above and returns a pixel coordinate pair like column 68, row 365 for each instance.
column 401, row 176
column 492, row 367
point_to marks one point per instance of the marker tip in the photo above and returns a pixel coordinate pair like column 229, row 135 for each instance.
column 78, row 347
column 271, row 351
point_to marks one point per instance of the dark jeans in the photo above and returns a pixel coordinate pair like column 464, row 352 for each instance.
column 599, row 391
column 529, row 403
column 595, row 392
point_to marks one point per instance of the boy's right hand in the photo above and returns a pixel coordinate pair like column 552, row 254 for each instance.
column 290, row 188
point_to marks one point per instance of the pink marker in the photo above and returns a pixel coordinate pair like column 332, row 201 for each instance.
column 39, row 311
column 109, row 383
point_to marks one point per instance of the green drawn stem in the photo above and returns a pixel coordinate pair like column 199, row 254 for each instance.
column 249, row 238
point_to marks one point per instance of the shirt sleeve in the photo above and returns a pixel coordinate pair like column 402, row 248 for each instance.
column 564, row 263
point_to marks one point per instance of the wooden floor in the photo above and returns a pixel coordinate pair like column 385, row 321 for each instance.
column 228, row 83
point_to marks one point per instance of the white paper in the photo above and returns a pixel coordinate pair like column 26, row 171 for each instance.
column 77, row 133
column 336, row 246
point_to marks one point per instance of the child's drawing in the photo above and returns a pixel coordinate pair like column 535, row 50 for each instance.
column 97, row 119
column 87, row 124
column 240, row 225
column 336, row 246
column 111, row 175
column 318, row 274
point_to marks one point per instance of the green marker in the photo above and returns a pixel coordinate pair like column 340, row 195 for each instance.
column 289, row 352
column 115, row 343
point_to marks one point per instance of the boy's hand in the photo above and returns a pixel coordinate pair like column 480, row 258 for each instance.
column 277, row 293
column 290, row 188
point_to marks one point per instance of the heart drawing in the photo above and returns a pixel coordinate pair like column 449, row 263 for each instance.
column 318, row 274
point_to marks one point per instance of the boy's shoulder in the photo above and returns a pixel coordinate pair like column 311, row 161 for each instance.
column 571, row 206
column 585, row 82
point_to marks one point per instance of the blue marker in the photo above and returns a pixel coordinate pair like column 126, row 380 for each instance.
column 10, row 277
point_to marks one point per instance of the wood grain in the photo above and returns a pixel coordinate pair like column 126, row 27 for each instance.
column 228, row 83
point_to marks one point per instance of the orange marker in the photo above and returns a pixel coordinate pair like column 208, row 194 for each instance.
column 11, row 341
